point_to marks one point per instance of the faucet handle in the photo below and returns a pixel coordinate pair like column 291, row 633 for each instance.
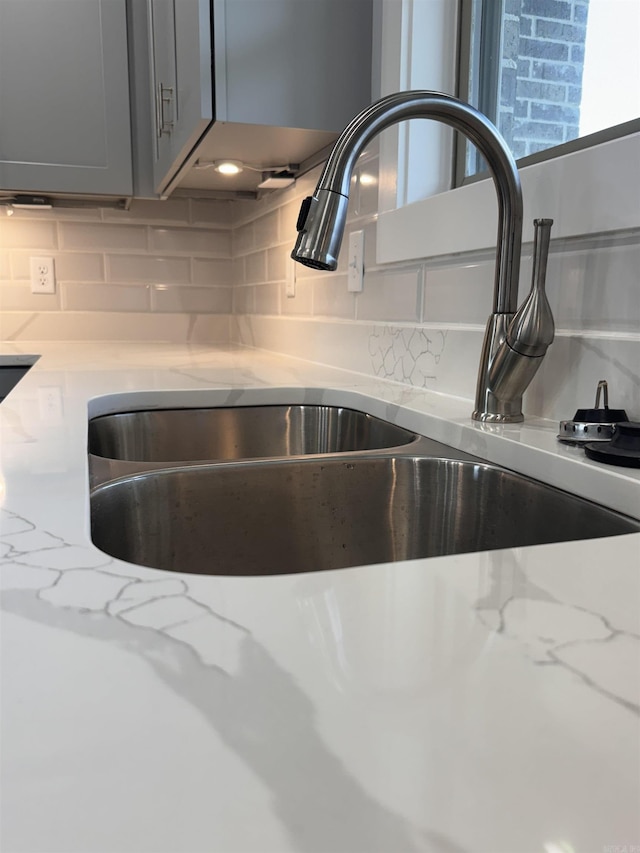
column 532, row 328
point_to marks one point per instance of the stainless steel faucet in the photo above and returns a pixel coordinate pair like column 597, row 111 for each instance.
column 515, row 342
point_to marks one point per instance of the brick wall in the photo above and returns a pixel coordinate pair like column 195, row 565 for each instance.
column 541, row 81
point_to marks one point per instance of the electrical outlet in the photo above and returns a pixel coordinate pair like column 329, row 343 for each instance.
column 355, row 270
column 43, row 275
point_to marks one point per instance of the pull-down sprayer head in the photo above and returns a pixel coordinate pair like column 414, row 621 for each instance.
column 323, row 215
column 320, row 228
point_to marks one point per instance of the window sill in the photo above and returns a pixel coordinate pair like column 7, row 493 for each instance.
column 586, row 192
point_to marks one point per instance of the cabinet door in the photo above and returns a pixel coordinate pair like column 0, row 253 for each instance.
column 292, row 63
column 180, row 35
column 64, row 97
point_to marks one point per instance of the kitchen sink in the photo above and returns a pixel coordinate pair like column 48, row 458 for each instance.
column 13, row 368
column 274, row 517
column 239, row 432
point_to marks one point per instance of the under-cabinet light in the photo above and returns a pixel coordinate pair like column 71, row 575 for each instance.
column 228, row 167
column 234, row 167
column 224, row 167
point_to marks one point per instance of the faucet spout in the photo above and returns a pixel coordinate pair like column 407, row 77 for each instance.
column 323, row 216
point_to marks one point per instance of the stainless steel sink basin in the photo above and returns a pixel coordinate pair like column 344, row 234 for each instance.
column 284, row 516
column 240, row 432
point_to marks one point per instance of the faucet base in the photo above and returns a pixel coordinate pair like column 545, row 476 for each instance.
column 488, row 407
column 497, row 418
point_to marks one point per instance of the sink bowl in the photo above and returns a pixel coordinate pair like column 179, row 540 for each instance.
column 239, row 432
column 275, row 517
column 13, row 368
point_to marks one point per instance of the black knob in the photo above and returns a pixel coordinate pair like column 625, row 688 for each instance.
column 623, row 449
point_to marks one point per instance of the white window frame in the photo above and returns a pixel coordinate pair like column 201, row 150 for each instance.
column 590, row 191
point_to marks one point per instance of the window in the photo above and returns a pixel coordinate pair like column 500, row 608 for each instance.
column 585, row 191
column 548, row 72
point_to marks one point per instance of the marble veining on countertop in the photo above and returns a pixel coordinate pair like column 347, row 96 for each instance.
column 481, row 702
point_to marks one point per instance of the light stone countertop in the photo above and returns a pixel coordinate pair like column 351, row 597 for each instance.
column 482, row 702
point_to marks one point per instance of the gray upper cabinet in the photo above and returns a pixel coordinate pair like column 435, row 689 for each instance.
column 180, row 56
column 137, row 97
column 292, row 63
column 64, row 97
column 268, row 82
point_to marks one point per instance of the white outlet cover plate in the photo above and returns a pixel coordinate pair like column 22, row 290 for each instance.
column 355, row 273
column 43, row 276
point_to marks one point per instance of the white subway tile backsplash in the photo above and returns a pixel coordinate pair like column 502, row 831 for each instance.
column 106, row 259
column 168, row 270
column 277, row 260
column 104, row 297
column 218, row 271
column 191, row 300
column 255, row 268
column 267, row 299
column 191, row 241
column 19, row 265
column 79, row 266
column 265, row 230
column 93, row 237
column 243, row 299
column 211, row 212
column 242, row 211
column 331, row 297
column 288, row 214
column 237, row 266
column 114, row 326
column 300, row 305
column 308, row 272
column 26, row 234
column 369, row 229
column 390, row 296
column 15, row 296
column 242, row 239
column 459, row 294
column 596, row 290
column 571, row 369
